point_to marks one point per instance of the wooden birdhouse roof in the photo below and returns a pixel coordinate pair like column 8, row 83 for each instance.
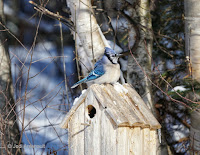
column 121, row 102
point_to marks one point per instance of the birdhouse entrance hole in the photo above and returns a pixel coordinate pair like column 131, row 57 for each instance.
column 91, row 111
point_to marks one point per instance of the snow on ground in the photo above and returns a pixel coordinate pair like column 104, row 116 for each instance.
column 45, row 104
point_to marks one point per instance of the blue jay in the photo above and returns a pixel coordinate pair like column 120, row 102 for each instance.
column 106, row 70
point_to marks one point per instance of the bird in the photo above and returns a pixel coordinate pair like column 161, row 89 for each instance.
column 106, row 70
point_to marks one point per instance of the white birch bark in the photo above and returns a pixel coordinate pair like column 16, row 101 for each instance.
column 88, row 33
column 192, row 44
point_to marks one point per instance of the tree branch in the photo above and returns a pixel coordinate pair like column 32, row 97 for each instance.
column 52, row 15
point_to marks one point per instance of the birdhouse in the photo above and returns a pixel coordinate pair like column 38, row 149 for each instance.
column 111, row 120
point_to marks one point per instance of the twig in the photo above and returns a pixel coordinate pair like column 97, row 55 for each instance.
column 166, row 80
column 52, row 57
column 64, row 68
column 116, row 28
column 27, row 81
column 13, row 36
column 137, row 37
column 91, row 38
column 157, row 85
column 50, row 14
column 76, row 52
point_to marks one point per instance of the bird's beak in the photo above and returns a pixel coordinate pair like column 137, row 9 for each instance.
column 119, row 55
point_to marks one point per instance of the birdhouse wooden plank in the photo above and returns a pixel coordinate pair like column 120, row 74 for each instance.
column 113, row 120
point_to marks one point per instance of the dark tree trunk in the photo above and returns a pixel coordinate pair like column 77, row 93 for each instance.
column 9, row 131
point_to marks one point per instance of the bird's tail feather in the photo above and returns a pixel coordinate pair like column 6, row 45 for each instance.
column 79, row 82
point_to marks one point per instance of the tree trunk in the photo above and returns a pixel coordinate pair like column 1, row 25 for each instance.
column 143, row 55
column 9, row 131
column 192, row 46
column 90, row 41
column 135, row 75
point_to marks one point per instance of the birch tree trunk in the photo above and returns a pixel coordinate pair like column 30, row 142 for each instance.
column 192, row 45
column 9, row 132
column 143, row 55
column 135, row 75
column 90, row 41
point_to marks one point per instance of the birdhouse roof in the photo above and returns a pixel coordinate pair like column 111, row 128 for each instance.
column 122, row 103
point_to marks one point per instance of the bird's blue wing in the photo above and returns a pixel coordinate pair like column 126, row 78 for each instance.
column 99, row 63
column 96, row 73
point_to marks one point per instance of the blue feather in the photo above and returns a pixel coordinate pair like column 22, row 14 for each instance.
column 94, row 74
column 79, row 82
column 109, row 51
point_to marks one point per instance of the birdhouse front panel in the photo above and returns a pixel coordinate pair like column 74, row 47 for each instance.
column 76, row 132
column 92, row 130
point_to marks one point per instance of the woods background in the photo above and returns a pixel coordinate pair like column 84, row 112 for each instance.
column 42, row 55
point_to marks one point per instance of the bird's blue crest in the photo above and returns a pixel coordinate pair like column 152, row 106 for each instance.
column 109, row 51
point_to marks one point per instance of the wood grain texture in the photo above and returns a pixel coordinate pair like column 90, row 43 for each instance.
column 121, row 125
column 126, row 109
column 92, row 132
column 76, row 132
column 64, row 123
column 122, row 141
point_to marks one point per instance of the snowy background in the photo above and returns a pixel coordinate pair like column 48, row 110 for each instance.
column 46, row 103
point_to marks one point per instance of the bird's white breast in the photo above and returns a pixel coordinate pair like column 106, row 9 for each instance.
column 112, row 74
